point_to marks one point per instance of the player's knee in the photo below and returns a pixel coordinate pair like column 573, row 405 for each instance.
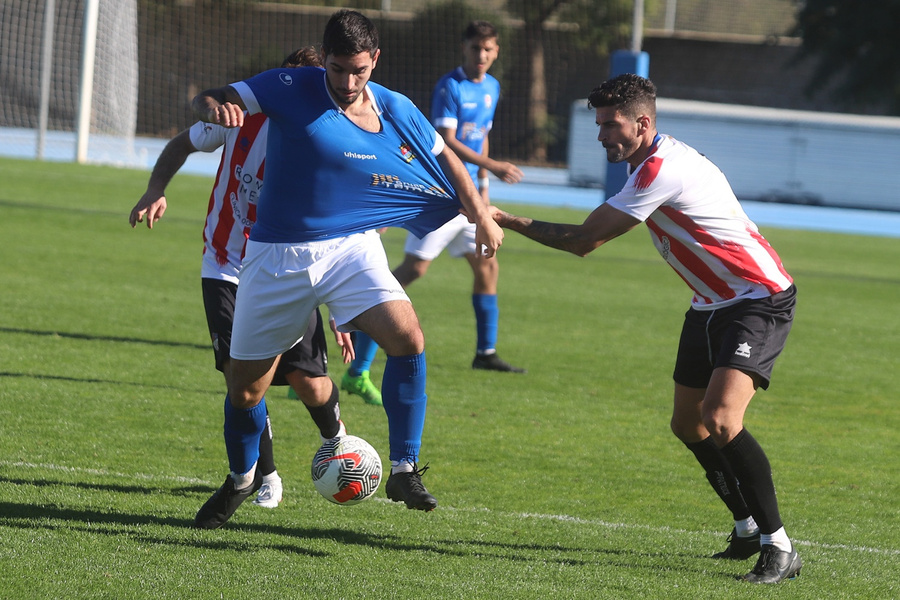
column 681, row 432
column 688, row 430
column 721, row 426
column 405, row 343
column 312, row 391
column 244, row 399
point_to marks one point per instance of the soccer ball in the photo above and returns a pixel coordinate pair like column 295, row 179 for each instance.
column 346, row 470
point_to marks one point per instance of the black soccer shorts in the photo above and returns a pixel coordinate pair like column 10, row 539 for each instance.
column 747, row 336
column 309, row 355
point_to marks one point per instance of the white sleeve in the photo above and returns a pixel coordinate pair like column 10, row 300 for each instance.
column 247, row 96
column 648, row 188
column 447, row 122
column 439, row 144
column 207, row 137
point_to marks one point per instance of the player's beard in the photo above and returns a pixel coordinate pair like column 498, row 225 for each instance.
column 341, row 98
column 620, row 152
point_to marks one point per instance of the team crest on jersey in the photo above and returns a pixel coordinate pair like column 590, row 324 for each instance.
column 407, row 153
column 488, row 101
column 286, row 79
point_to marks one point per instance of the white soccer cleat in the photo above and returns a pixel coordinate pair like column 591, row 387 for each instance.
column 270, row 494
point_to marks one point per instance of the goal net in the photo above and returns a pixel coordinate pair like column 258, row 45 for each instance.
column 112, row 108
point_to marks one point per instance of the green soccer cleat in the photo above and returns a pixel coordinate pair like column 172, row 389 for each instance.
column 361, row 386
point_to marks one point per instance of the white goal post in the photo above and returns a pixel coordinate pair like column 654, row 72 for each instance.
column 69, row 79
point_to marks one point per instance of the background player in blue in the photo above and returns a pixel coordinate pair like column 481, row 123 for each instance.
column 462, row 109
column 345, row 156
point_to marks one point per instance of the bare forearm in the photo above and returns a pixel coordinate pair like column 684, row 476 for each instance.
column 170, row 161
column 569, row 238
column 469, row 197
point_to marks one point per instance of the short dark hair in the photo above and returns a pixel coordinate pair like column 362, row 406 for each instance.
column 304, row 57
column 631, row 94
column 348, row 33
column 479, row 30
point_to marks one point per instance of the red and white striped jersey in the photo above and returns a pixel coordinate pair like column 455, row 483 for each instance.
column 700, row 228
column 232, row 202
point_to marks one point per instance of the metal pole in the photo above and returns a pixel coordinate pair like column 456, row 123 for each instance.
column 637, row 26
column 46, row 68
column 670, row 16
column 89, row 50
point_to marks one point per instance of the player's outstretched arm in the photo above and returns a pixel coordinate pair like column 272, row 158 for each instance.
column 488, row 235
column 153, row 203
column 602, row 225
column 223, row 106
column 505, row 171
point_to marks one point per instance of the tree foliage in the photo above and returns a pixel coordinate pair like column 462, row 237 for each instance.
column 855, row 46
column 599, row 22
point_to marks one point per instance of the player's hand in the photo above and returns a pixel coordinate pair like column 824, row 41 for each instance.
column 151, row 205
column 345, row 341
column 227, row 115
column 488, row 237
column 507, row 172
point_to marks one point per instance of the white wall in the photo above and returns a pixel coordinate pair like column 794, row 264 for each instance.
column 769, row 154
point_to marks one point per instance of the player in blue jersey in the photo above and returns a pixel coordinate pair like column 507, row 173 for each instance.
column 345, row 156
column 462, row 109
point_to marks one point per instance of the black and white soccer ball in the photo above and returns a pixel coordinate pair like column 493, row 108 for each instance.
column 346, row 470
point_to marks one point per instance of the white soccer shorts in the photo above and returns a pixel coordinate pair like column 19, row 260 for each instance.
column 281, row 284
column 457, row 235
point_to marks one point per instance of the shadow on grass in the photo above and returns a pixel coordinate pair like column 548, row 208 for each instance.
column 103, row 338
column 234, row 538
column 30, row 517
column 137, row 384
column 104, row 487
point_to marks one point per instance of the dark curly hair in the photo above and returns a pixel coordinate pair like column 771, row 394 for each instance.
column 631, row 94
column 304, row 57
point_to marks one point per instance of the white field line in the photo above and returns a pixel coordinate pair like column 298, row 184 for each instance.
column 513, row 515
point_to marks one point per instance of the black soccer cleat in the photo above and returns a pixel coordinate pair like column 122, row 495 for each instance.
column 408, row 488
column 774, row 566
column 222, row 504
column 739, row 548
column 492, row 362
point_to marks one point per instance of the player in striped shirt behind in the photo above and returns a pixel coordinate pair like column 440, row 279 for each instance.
column 739, row 318
column 230, row 214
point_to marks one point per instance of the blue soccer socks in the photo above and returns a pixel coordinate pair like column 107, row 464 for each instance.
column 243, row 428
column 403, row 394
column 366, row 349
column 487, row 314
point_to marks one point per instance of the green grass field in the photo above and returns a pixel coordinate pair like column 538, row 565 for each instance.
column 562, row 483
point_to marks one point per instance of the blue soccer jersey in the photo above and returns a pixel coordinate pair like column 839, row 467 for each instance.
column 326, row 177
column 461, row 104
